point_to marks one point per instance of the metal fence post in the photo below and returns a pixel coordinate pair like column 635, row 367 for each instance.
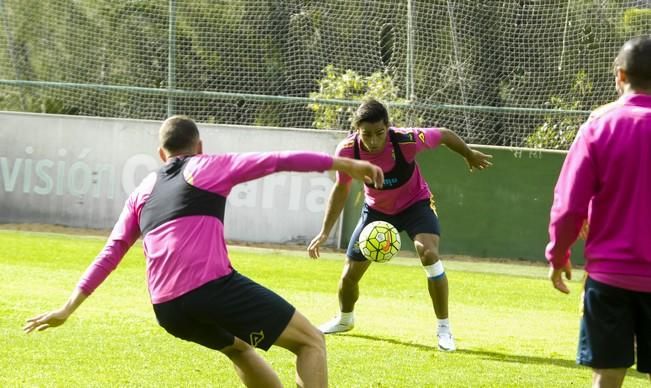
column 171, row 59
column 409, row 78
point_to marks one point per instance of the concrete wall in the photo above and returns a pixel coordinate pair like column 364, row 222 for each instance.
column 78, row 171
column 502, row 212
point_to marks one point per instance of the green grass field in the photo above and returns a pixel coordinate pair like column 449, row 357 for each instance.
column 512, row 328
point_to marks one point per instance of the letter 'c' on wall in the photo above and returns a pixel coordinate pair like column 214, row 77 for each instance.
column 140, row 163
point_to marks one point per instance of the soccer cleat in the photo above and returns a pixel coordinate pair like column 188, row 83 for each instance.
column 446, row 342
column 335, row 326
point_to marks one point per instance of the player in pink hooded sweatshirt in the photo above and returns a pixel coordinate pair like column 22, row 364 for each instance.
column 606, row 179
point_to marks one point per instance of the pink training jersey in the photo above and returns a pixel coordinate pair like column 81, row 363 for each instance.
column 189, row 251
column 416, row 189
column 606, row 178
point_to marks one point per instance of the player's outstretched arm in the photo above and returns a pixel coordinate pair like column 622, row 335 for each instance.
column 56, row 317
column 357, row 169
column 475, row 159
column 335, row 205
column 124, row 235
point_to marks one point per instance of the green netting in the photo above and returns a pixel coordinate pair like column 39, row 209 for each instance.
column 518, row 73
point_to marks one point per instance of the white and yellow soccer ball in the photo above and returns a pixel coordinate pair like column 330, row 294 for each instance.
column 379, row 241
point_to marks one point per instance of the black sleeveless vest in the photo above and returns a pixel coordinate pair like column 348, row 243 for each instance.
column 400, row 173
column 172, row 197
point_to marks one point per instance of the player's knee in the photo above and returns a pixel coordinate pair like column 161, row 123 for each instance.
column 312, row 341
column 315, row 337
column 429, row 255
column 319, row 341
column 351, row 278
column 318, row 345
column 349, row 281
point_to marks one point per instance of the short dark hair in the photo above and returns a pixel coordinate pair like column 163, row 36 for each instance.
column 635, row 59
column 177, row 134
column 370, row 111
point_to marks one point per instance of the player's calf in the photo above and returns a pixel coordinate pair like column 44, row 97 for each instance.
column 437, row 285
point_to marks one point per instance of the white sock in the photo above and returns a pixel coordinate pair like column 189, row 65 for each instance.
column 444, row 326
column 346, row 318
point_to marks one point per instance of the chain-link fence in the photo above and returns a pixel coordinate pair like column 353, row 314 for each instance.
column 517, row 73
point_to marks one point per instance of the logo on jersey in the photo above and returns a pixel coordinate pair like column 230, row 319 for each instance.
column 389, row 182
column 421, row 136
column 256, row 338
column 404, row 136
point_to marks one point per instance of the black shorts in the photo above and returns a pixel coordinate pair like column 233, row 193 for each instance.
column 614, row 321
column 232, row 306
column 417, row 218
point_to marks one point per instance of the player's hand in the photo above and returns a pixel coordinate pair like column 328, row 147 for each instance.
column 478, row 160
column 313, row 248
column 46, row 320
column 556, row 276
column 360, row 170
column 369, row 173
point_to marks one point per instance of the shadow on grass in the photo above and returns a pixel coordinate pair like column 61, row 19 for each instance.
column 488, row 355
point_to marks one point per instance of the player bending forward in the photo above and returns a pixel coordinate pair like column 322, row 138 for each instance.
column 405, row 201
column 196, row 293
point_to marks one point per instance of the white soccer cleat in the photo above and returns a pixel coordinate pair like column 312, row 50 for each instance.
column 336, row 326
column 446, row 342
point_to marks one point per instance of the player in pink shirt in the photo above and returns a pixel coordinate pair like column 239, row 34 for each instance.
column 606, row 179
column 196, row 294
column 404, row 201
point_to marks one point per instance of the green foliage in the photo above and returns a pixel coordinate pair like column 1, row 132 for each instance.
column 497, row 54
column 268, row 116
column 637, row 21
column 558, row 131
column 42, row 103
column 349, row 85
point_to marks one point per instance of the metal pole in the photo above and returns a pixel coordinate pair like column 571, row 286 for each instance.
column 457, row 56
column 171, row 59
column 409, row 79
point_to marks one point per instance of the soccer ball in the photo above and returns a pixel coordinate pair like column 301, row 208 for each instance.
column 379, row 241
